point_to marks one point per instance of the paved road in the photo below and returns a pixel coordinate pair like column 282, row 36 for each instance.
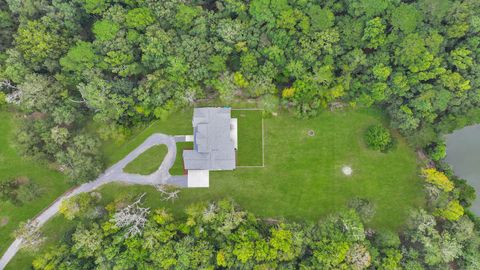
column 116, row 174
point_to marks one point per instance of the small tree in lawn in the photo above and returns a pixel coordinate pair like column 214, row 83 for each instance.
column 30, row 234
column 378, row 138
column 132, row 218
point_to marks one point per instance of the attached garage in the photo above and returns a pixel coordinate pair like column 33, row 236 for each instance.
column 198, row 178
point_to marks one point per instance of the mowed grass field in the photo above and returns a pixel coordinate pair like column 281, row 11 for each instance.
column 249, row 152
column 302, row 177
column 12, row 165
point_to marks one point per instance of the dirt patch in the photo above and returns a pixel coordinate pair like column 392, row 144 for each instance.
column 4, row 221
column 347, row 170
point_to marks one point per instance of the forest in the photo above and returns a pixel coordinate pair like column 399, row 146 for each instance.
column 68, row 66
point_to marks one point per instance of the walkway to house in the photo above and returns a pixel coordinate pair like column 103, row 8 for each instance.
column 115, row 174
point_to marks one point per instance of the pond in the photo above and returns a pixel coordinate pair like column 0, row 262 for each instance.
column 463, row 154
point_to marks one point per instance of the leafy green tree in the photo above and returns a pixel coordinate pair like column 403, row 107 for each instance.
column 41, row 43
column 378, row 138
column 369, row 8
column 40, row 93
column 88, row 242
column 79, row 58
column 413, row 53
column 374, row 33
column 381, row 72
column 78, row 206
column 95, row 6
column 461, row 59
column 185, row 15
column 81, row 159
column 105, row 30
column 320, row 19
column 453, row 211
column 406, row 18
column 438, row 178
column 139, row 18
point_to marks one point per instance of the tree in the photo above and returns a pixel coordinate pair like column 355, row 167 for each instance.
column 413, row 54
column 105, row 30
column 79, row 58
column 453, row 211
column 185, row 15
column 132, row 218
column 95, row 6
column 30, row 235
column 438, row 179
column 139, row 18
column 40, row 93
column 81, row 159
column 378, row 138
column 41, row 43
column 87, row 242
column 364, row 208
column 79, row 206
column 406, row 18
column 461, row 59
column 320, row 19
column 374, row 33
column 358, row 257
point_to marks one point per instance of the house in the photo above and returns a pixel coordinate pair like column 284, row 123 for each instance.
column 215, row 143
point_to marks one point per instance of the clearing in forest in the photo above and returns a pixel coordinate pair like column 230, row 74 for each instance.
column 302, row 174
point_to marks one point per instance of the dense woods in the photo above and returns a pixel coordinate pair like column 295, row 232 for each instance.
column 220, row 235
column 124, row 62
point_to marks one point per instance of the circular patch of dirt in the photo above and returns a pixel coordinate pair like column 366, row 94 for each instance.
column 311, row 133
column 347, row 170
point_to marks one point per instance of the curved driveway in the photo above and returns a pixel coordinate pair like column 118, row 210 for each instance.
column 115, row 174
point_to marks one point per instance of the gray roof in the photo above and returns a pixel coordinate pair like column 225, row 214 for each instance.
column 213, row 148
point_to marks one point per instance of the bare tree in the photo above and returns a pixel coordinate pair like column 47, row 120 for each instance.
column 166, row 194
column 132, row 218
column 30, row 234
column 210, row 212
column 8, row 84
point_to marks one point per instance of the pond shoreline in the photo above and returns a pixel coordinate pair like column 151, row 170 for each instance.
column 463, row 155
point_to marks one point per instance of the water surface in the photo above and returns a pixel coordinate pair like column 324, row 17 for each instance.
column 463, row 154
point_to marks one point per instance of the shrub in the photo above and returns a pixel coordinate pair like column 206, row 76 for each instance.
column 437, row 151
column 364, row 208
column 3, row 99
column 81, row 205
column 19, row 190
column 378, row 138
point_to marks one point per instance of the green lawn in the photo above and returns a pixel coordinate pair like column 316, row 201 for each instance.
column 148, row 162
column 52, row 183
column 249, row 151
column 302, row 177
column 177, row 168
